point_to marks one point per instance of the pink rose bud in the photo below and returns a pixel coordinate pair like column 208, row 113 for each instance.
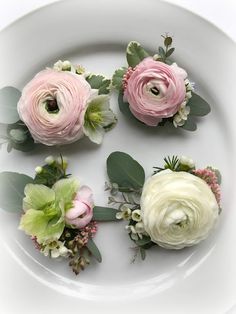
column 155, row 90
column 82, row 211
column 53, row 105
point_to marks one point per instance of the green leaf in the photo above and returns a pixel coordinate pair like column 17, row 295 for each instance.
column 125, row 171
column 169, row 52
column 9, row 97
column 99, row 82
column 50, row 175
column 20, row 137
column 145, row 240
column 104, row 213
column 142, row 253
column 117, row 78
column 190, row 124
column 198, row 106
column 135, row 53
column 91, row 246
column 12, row 187
column 124, row 108
column 161, row 52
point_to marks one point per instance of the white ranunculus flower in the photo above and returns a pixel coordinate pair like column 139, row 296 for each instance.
column 178, row 209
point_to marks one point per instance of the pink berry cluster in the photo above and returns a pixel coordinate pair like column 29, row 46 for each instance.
column 211, row 179
column 88, row 231
column 126, row 77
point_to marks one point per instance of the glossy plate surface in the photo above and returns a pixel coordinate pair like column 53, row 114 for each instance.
column 94, row 33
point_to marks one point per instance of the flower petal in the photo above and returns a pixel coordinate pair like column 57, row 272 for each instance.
column 66, row 189
column 94, row 134
column 85, row 195
column 37, row 196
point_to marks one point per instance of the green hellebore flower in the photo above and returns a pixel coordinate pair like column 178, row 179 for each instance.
column 98, row 118
column 44, row 209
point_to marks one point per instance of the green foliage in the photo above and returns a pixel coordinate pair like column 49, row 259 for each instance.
column 12, row 187
column 125, row 171
column 9, row 97
column 142, row 253
column 198, row 106
column 124, row 108
column 190, row 124
column 93, row 249
column 99, row 82
column 135, row 53
column 167, row 51
column 117, row 78
column 51, row 174
column 104, row 213
column 19, row 137
column 171, row 163
column 142, row 242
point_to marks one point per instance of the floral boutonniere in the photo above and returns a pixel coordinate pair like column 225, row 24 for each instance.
column 57, row 212
column 177, row 207
column 155, row 90
column 58, row 106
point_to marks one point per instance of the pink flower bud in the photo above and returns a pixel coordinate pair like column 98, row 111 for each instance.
column 82, row 211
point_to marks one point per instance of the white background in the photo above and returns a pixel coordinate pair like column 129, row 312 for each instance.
column 221, row 12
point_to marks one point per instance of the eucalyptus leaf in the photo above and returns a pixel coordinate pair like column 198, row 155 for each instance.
column 99, row 82
column 20, row 137
column 117, row 78
column 142, row 253
column 12, row 187
column 198, row 106
column 124, row 108
column 169, row 52
column 125, row 171
column 27, row 146
column 145, row 240
column 104, row 213
column 161, row 52
column 190, row 124
column 135, row 53
column 93, row 249
column 9, row 97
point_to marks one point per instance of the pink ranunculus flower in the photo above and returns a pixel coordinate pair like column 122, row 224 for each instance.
column 53, row 105
column 82, row 211
column 155, row 90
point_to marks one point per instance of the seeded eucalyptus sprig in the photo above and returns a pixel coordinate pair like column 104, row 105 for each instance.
column 127, row 178
column 167, row 51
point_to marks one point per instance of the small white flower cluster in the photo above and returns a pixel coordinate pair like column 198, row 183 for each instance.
column 50, row 160
column 68, row 66
column 62, row 65
column 136, row 230
column 181, row 116
column 55, row 249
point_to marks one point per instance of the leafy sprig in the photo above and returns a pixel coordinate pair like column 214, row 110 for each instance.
column 127, row 177
column 165, row 52
column 174, row 163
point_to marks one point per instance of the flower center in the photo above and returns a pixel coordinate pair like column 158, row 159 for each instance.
column 155, row 91
column 51, row 106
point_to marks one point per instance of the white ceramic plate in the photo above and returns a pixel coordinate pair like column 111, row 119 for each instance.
column 94, row 33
